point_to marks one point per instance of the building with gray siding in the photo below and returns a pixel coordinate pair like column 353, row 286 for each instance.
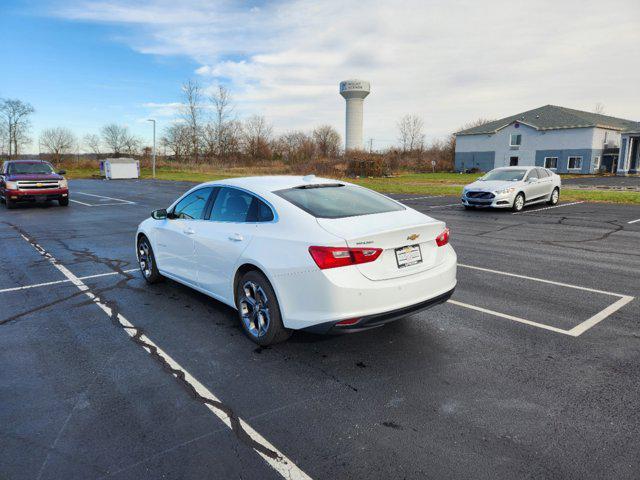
column 562, row 139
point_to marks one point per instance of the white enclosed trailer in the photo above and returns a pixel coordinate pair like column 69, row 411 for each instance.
column 118, row 168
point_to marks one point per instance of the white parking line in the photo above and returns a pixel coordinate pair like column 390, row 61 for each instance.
column 634, row 221
column 508, row 317
column 81, row 203
column 547, row 208
column 279, row 462
column 575, row 331
column 46, row 284
column 103, row 196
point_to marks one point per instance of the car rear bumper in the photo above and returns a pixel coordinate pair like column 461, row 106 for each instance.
column 35, row 195
column 379, row 319
column 323, row 298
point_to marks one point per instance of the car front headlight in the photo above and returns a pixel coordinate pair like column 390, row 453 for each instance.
column 505, row 191
column 63, row 183
column 11, row 185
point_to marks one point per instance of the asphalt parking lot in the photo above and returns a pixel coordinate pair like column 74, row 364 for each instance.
column 532, row 370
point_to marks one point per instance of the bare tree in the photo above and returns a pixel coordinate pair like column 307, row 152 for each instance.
column 221, row 130
column 176, row 139
column 411, row 134
column 294, row 147
column 131, row 144
column 114, row 137
column 15, row 114
column 57, row 141
column 477, row 123
column 327, row 141
column 191, row 113
column 257, row 135
column 92, row 142
column 4, row 138
column 599, row 108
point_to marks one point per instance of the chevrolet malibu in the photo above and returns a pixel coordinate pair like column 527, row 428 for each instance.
column 300, row 253
column 513, row 187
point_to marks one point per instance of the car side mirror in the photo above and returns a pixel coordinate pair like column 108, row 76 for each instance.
column 62, row 172
column 160, row 214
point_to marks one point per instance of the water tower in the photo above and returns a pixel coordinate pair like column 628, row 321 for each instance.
column 354, row 92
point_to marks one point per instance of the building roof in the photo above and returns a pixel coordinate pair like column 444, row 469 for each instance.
column 552, row 117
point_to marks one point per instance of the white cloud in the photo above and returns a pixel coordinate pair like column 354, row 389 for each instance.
column 449, row 62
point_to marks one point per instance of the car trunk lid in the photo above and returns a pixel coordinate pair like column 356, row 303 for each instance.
column 395, row 233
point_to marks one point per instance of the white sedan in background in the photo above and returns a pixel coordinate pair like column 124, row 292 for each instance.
column 300, row 253
column 513, row 187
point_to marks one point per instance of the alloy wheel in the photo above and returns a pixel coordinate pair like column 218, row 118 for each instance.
column 519, row 203
column 554, row 196
column 145, row 259
column 254, row 309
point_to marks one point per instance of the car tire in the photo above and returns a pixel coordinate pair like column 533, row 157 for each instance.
column 518, row 203
column 10, row 204
column 469, row 207
column 258, row 310
column 147, row 261
column 63, row 202
column 555, row 197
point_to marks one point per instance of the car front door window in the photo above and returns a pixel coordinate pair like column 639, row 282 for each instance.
column 193, row 205
column 235, row 218
column 175, row 244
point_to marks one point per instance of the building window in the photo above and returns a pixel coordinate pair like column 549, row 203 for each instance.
column 513, row 161
column 551, row 162
column 596, row 164
column 515, row 140
column 575, row 163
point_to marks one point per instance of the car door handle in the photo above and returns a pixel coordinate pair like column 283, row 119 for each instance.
column 188, row 231
column 236, row 237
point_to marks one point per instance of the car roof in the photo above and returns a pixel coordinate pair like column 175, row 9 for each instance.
column 272, row 183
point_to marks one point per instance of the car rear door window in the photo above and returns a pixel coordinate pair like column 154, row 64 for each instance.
column 542, row 173
column 193, row 205
column 532, row 174
column 259, row 211
column 232, row 205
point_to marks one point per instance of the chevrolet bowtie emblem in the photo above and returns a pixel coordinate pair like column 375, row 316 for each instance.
column 413, row 236
column 38, row 184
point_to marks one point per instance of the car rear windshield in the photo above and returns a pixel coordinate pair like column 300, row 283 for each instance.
column 338, row 201
column 505, row 175
column 28, row 168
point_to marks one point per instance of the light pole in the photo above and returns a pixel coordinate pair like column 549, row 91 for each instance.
column 153, row 164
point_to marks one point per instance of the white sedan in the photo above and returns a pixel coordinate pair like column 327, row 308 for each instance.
column 294, row 253
column 513, row 187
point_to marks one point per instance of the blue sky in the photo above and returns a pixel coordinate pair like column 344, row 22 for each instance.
column 86, row 63
column 80, row 75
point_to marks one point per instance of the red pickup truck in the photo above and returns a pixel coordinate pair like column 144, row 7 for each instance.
column 32, row 181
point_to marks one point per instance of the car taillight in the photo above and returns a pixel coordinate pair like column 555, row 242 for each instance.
column 348, row 322
column 443, row 238
column 332, row 257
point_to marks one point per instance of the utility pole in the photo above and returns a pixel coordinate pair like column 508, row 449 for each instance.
column 370, row 145
column 153, row 164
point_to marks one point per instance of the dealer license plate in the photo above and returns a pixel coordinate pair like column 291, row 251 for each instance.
column 408, row 256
